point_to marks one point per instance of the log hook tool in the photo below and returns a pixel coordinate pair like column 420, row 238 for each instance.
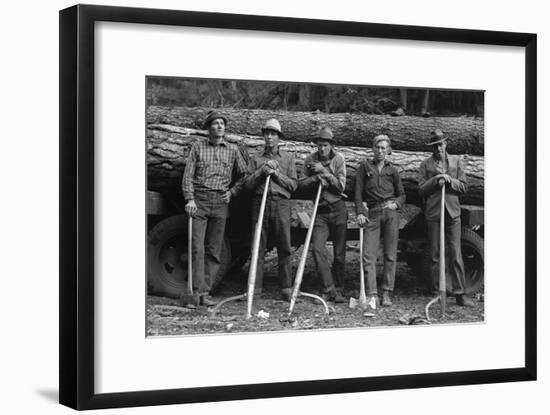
column 442, row 297
column 253, row 260
column 301, row 267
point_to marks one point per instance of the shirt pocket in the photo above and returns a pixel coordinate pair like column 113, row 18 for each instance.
column 386, row 182
column 200, row 170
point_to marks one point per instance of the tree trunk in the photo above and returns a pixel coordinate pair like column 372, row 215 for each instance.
column 466, row 134
column 168, row 147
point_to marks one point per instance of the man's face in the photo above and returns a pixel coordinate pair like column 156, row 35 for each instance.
column 439, row 150
column 216, row 128
column 324, row 147
column 380, row 150
column 271, row 139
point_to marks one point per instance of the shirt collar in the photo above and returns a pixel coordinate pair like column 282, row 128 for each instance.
column 386, row 162
column 330, row 156
column 221, row 143
column 275, row 153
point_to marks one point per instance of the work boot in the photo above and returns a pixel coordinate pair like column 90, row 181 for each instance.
column 464, row 301
column 286, row 294
column 206, row 300
column 334, row 295
column 190, row 301
column 386, row 299
column 399, row 112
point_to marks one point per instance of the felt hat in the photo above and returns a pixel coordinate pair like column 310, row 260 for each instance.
column 213, row 115
column 273, row 125
column 436, row 137
column 325, row 133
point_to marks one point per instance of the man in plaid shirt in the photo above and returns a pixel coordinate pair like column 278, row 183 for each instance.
column 205, row 185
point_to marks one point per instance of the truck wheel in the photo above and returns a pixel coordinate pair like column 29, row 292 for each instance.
column 167, row 258
column 474, row 260
column 473, row 257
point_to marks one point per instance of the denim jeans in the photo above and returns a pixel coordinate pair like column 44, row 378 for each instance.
column 277, row 223
column 385, row 222
column 331, row 221
column 208, row 233
column 453, row 254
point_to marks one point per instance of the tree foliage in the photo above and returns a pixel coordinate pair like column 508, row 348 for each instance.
column 329, row 98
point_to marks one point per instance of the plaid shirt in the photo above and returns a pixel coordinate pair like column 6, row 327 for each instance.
column 209, row 167
column 281, row 184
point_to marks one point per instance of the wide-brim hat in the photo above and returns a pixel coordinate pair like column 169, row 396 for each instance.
column 436, row 137
column 214, row 115
column 324, row 133
column 273, row 125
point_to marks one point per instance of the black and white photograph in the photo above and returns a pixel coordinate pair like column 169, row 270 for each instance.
column 278, row 206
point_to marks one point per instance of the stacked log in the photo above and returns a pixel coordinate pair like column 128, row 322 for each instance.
column 465, row 133
column 168, row 147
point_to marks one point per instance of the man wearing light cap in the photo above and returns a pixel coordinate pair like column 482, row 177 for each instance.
column 379, row 193
column 443, row 169
column 328, row 167
column 276, row 224
column 205, row 185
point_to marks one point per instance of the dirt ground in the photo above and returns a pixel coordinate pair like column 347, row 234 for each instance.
column 270, row 313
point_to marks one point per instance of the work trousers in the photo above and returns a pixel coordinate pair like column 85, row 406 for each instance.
column 208, row 233
column 331, row 221
column 453, row 254
column 382, row 222
column 277, row 223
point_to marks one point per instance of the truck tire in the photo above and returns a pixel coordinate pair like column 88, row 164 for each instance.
column 474, row 263
column 474, row 260
column 167, row 258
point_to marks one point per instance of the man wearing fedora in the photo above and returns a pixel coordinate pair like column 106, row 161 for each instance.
column 379, row 193
column 443, row 169
column 328, row 167
column 280, row 166
column 206, row 189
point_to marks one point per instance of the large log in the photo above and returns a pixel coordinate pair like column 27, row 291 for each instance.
column 168, row 146
column 466, row 134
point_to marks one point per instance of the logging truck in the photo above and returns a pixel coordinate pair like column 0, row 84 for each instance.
column 168, row 143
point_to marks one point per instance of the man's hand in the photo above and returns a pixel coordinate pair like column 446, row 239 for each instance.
column 317, row 168
column 273, row 164
column 362, row 220
column 322, row 180
column 443, row 178
column 226, row 197
column 191, row 208
column 266, row 170
column 392, row 206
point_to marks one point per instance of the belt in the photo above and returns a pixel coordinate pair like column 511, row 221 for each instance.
column 331, row 207
column 382, row 205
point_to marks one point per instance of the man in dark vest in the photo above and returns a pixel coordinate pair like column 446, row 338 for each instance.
column 328, row 167
column 443, row 169
column 280, row 166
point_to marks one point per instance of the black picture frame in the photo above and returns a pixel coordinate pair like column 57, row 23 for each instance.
column 76, row 279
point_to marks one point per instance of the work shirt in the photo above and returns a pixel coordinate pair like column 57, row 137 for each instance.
column 377, row 187
column 282, row 184
column 209, row 167
column 336, row 167
column 429, row 188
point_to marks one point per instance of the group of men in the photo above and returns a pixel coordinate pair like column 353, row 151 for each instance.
column 214, row 165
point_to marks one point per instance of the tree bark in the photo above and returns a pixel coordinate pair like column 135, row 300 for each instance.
column 168, row 147
column 466, row 134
